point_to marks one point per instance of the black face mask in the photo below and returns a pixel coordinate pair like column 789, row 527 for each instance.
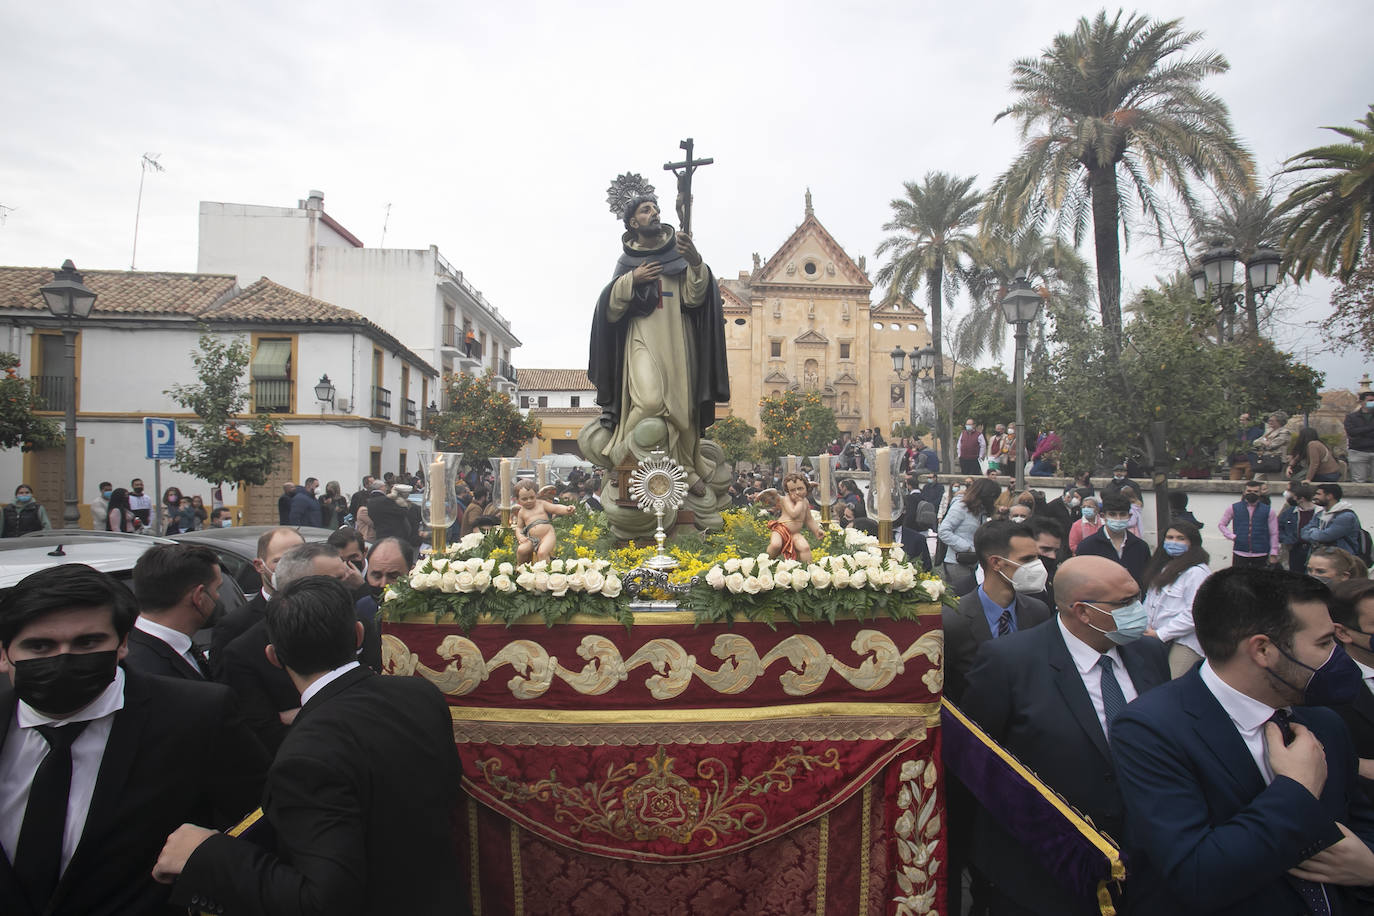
column 1051, row 564
column 61, row 684
column 368, row 590
column 1252, row 497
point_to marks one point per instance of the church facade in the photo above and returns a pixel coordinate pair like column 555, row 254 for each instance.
column 804, row 319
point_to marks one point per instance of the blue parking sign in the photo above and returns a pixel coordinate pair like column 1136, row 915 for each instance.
column 161, row 438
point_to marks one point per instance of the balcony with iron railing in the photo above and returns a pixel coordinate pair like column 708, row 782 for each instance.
column 451, row 336
column 272, row 395
column 381, row 402
column 52, row 390
column 505, row 370
column 408, row 417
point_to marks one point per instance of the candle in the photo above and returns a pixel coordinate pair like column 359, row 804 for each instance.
column 823, row 476
column 882, row 483
column 438, row 493
column 507, row 481
column 793, row 464
column 541, row 474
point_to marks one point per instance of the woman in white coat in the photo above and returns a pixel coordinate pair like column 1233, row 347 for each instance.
column 1171, row 581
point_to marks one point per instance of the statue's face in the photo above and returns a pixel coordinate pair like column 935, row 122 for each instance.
column 645, row 218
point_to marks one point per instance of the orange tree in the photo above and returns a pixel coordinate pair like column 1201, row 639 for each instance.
column 223, row 447
column 18, row 424
column 479, row 421
column 796, row 423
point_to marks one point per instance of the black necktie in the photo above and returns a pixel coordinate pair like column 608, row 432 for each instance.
column 38, row 858
column 199, row 655
column 1004, row 623
column 1113, row 699
column 1312, row 893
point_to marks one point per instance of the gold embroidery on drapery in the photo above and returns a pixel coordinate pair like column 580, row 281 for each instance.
column 822, row 863
column 865, row 841
column 662, row 804
column 888, row 726
column 918, row 838
column 474, row 859
column 741, row 665
column 516, row 872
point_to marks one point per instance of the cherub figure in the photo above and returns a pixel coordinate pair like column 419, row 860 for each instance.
column 787, row 538
column 534, row 534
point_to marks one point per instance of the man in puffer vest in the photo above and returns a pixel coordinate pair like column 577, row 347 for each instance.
column 1252, row 527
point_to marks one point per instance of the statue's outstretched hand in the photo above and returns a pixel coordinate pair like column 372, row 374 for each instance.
column 688, row 249
column 647, row 272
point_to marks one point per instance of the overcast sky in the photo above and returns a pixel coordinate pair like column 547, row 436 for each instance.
column 493, row 130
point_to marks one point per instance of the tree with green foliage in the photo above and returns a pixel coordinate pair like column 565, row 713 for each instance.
column 987, row 395
column 735, row 437
column 1116, row 100
column 19, row 425
column 222, row 448
column 796, row 423
column 931, row 246
column 1351, row 323
column 1269, row 379
column 1333, row 214
column 479, row 421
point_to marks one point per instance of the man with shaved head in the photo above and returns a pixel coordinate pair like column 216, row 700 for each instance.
column 1048, row 694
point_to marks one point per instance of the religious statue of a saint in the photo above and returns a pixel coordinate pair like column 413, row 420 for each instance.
column 658, row 358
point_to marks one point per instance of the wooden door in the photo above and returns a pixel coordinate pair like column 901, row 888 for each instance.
column 260, row 503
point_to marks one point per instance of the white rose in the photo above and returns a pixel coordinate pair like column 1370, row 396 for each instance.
column 435, row 580
column 471, row 541
column 751, row 585
column 556, row 566
column 541, row 581
column 883, row 578
column 859, row 579
column 801, row 578
column 577, row 582
column 732, row 565
column 746, row 566
column 788, row 565
column 766, row 580
column 935, row 588
column 735, row 583
column 488, row 566
column 449, row 582
column 612, row 587
column 541, row 566
column 389, row 594
column 782, row 579
column 465, row 581
column 840, row 577
column 525, row 580
column 903, row 578
column 473, row 564
column 506, row 569
column 715, row 577
column 481, row 580
column 820, row 578
column 593, row 581
column 440, row 564
column 602, row 564
column 502, row 583
column 558, row 584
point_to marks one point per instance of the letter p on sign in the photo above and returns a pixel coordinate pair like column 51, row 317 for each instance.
column 161, row 438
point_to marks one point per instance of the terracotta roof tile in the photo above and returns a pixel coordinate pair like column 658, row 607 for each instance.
column 553, row 380
column 122, row 292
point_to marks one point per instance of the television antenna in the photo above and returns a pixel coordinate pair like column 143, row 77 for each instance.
column 150, row 161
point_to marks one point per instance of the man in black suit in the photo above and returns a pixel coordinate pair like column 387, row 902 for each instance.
column 997, row 607
column 361, row 795
column 1049, row 695
column 273, row 544
column 1352, row 611
column 917, row 522
column 1114, row 541
column 268, row 698
column 1241, row 791
column 387, row 561
column 177, row 586
column 98, row 763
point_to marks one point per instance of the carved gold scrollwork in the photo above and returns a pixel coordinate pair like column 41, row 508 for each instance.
column 673, row 666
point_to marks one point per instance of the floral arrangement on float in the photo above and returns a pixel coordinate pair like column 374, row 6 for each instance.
column 721, row 577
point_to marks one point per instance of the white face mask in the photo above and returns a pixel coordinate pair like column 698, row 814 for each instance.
column 1028, row 578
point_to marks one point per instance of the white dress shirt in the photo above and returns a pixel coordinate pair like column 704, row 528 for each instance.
column 1085, row 659
column 25, row 749
column 1366, row 673
column 1171, row 607
column 1247, row 714
column 324, row 679
column 179, row 641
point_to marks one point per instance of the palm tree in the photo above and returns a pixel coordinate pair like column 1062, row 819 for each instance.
column 1053, row 267
column 932, row 240
column 1114, row 102
column 1333, row 214
column 1246, row 221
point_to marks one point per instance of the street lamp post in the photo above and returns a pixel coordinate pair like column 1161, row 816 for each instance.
column 1214, row 279
column 922, row 366
column 1020, row 306
column 70, row 302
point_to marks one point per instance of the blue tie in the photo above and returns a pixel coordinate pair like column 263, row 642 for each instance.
column 1004, row 623
column 1113, row 700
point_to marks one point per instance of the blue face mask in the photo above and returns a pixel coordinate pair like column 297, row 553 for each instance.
column 1089, row 513
column 23, row 498
column 1175, row 548
column 1131, row 622
column 106, row 494
column 1118, row 524
column 1335, row 683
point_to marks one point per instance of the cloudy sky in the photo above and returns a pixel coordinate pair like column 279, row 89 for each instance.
column 492, row 130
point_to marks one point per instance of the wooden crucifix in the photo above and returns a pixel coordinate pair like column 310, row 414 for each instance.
column 683, row 170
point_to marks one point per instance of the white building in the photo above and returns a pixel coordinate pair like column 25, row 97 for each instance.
column 563, row 401
column 415, row 294
column 139, row 341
